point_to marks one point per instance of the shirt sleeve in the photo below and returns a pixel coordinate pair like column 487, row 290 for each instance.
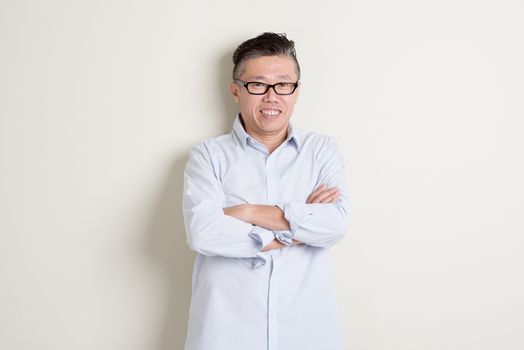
column 209, row 231
column 284, row 237
column 320, row 224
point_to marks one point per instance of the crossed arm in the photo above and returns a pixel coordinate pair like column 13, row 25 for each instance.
column 244, row 231
column 272, row 217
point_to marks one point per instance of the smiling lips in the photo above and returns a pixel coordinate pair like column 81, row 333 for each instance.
column 270, row 112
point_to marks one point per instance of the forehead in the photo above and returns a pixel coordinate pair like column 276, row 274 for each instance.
column 269, row 68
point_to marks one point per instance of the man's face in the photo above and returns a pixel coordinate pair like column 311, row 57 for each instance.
column 266, row 115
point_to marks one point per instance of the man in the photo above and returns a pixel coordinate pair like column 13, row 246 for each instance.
column 262, row 205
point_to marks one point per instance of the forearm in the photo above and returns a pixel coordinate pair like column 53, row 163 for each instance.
column 209, row 231
column 318, row 224
column 214, row 234
column 267, row 216
column 275, row 218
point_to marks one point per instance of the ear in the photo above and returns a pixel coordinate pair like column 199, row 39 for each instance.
column 235, row 91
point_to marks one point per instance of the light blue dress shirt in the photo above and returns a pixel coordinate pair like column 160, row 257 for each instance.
column 245, row 299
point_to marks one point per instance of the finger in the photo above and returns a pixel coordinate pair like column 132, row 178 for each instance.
column 322, row 194
column 315, row 193
column 331, row 199
column 326, row 194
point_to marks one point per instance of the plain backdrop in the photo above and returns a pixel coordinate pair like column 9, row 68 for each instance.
column 100, row 102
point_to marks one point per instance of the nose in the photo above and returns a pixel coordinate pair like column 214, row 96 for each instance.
column 270, row 95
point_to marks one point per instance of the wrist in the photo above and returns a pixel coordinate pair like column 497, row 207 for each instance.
column 275, row 244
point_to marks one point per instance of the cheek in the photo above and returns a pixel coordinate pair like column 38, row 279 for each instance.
column 249, row 109
column 252, row 105
column 290, row 105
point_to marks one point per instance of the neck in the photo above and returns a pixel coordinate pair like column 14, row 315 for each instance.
column 271, row 141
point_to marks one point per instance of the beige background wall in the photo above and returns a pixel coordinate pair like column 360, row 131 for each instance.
column 100, row 102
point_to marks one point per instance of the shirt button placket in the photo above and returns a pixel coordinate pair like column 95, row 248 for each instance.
column 270, row 181
column 273, row 343
column 272, row 315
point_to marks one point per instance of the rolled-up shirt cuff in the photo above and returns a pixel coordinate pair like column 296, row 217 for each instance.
column 284, row 237
column 262, row 238
column 258, row 261
column 295, row 213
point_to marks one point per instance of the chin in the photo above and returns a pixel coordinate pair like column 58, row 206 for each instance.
column 280, row 118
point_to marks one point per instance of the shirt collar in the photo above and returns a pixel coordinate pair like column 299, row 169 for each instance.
column 243, row 136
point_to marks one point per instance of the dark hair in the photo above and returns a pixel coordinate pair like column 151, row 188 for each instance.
column 265, row 44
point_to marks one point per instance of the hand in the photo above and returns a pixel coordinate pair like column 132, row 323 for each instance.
column 276, row 244
column 323, row 194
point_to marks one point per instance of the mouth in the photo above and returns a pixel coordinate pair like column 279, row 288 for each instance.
column 270, row 112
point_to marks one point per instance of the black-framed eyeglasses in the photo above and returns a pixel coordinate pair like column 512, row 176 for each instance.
column 259, row 88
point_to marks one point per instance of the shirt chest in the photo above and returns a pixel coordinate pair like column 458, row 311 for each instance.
column 256, row 177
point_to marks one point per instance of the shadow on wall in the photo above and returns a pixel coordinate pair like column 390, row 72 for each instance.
column 167, row 245
column 224, row 78
column 166, row 237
